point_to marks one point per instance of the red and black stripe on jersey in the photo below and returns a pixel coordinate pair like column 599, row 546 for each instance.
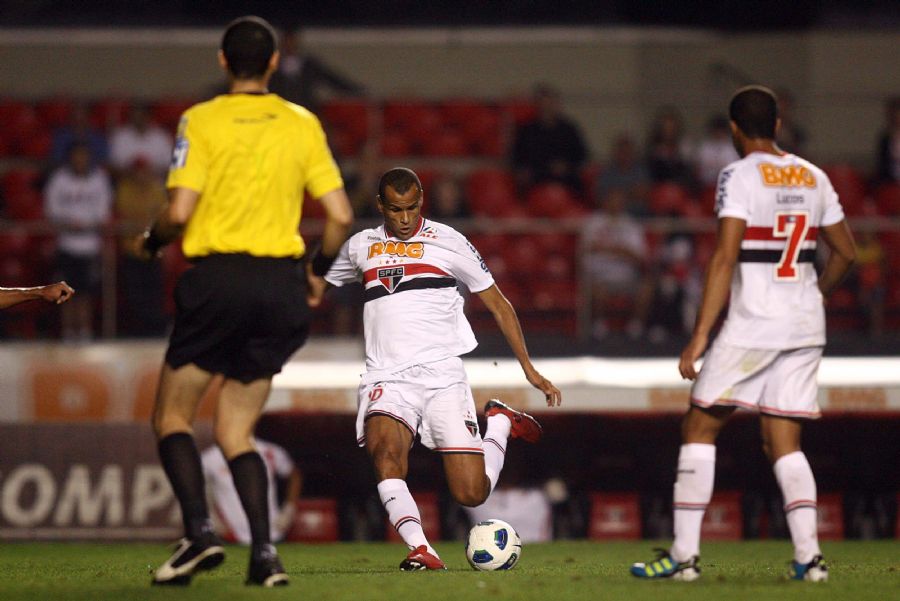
column 437, row 278
column 764, row 255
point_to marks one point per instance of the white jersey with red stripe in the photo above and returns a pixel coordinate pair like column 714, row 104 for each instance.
column 775, row 300
column 413, row 311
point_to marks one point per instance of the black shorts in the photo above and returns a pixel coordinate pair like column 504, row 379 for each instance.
column 239, row 315
column 81, row 273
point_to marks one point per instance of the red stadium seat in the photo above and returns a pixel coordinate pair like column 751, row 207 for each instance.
column 707, row 201
column 167, row 112
column 445, row 143
column 524, row 258
column 458, row 111
column 552, row 200
column 5, row 149
column 395, row 144
column 668, row 199
column 489, row 191
column 427, row 502
column 13, row 112
column 26, row 204
column 22, row 124
column 19, row 180
column 417, row 118
column 849, row 185
column 55, row 112
column 520, row 110
column 349, row 115
column 561, row 295
column 37, row 145
column 887, row 198
column 110, row 112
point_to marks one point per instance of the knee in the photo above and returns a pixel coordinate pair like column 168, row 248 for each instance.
column 232, row 442
column 471, row 495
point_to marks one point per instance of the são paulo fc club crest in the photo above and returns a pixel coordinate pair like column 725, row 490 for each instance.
column 472, row 427
column 390, row 276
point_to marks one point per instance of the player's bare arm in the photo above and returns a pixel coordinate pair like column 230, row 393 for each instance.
column 716, row 289
column 506, row 318
column 57, row 293
column 843, row 255
column 338, row 220
column 169, row 224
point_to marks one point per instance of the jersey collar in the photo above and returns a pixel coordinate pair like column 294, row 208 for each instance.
column 419, row 228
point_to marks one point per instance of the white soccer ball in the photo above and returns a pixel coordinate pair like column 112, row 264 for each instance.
column 493, row 545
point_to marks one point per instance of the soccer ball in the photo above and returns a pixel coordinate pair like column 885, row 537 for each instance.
column 493, row 545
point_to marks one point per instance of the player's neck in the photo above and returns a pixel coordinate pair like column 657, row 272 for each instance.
column 249, row 86
column 766, row 145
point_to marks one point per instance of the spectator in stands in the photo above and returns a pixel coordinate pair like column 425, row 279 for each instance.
column 667, row 150
column 715, row 151
column 627, row 173
column 78, row 199
column 302, row 77
column 229, row 518
column 140, row 137
column 550, row 148
column 446, row 200
column 888, row 168
column 677, row 290
column 792, row 136
column 616, row 264
column 139, row 195
column 78, row 131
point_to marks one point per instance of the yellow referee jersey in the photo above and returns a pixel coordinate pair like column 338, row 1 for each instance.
column 250, row 156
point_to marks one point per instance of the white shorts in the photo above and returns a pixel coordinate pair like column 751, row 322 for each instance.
column 433, row 400
column 775, row 382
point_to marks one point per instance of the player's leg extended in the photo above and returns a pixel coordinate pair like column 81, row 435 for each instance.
column 238, row 409
column 469, row 484
column 781, row 441
column 178, row 395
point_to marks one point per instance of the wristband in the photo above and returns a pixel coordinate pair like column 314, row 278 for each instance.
column 152, row 242
column 321, row 263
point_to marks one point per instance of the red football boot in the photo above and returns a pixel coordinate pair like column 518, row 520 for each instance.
column 523, row 425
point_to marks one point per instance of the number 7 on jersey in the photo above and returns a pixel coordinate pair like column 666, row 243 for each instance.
column 793, row 225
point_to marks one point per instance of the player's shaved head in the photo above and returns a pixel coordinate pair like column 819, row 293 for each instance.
column 754, row 109
column 248, row 45
column 400, row 179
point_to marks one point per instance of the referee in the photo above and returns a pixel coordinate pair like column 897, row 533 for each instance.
column 241, row 164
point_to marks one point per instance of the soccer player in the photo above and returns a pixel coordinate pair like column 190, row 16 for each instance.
column 240, row 167
column 415, row 382
column 772, row 207
column 57, row 294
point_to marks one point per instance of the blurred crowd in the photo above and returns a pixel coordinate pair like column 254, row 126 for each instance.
column 581, row 245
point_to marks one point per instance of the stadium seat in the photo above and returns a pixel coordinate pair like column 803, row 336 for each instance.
column 19, row 180
column 12, row 114
column 167, row 112
column 519, row 110
column 458, row 111
column 21, row 125
column 5, row 149
column 555, row 295
column 707, row 201
column 416, row 118
column 887, row 199
column 615, row 516
column 524, row 258
column 552, row 200
column 445, row 143
column 110, row 112
column 25, row 205
column 588, row 175
column 489, row 191
column 37, row 145
column 849, row 185
column 395, row 144
column 55, row 112
column 668, row 199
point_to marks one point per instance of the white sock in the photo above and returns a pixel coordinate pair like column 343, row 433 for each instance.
column 693, row 490
column 495, row 439
column 403, row 513
column 798, row 487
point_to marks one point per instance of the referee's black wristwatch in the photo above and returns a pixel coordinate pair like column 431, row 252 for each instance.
column 321, row 263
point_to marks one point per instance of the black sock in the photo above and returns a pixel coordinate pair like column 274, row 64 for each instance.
column 252, row 484
column 181, row 461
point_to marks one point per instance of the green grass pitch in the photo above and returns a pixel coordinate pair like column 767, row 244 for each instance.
column 360, row 572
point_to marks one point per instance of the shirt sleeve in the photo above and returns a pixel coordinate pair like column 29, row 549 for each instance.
column 344, row 270
column 190, row 156
column 322, row 174
column 469, row 268
column 732, row 197
column 833, row 211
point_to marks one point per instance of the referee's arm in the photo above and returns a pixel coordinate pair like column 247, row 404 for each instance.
column 169, row 223
column 338, row 220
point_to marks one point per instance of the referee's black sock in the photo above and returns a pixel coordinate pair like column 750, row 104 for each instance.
column 181, row 461
column 249, row 473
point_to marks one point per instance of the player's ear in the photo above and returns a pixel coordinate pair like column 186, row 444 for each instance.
column 222, row 61
column 378, row 204
column 273, row 61
column 777, row 125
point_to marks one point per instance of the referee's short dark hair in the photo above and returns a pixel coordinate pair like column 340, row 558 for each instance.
column 248, row 45
column 755, row 111
column 400, row 179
